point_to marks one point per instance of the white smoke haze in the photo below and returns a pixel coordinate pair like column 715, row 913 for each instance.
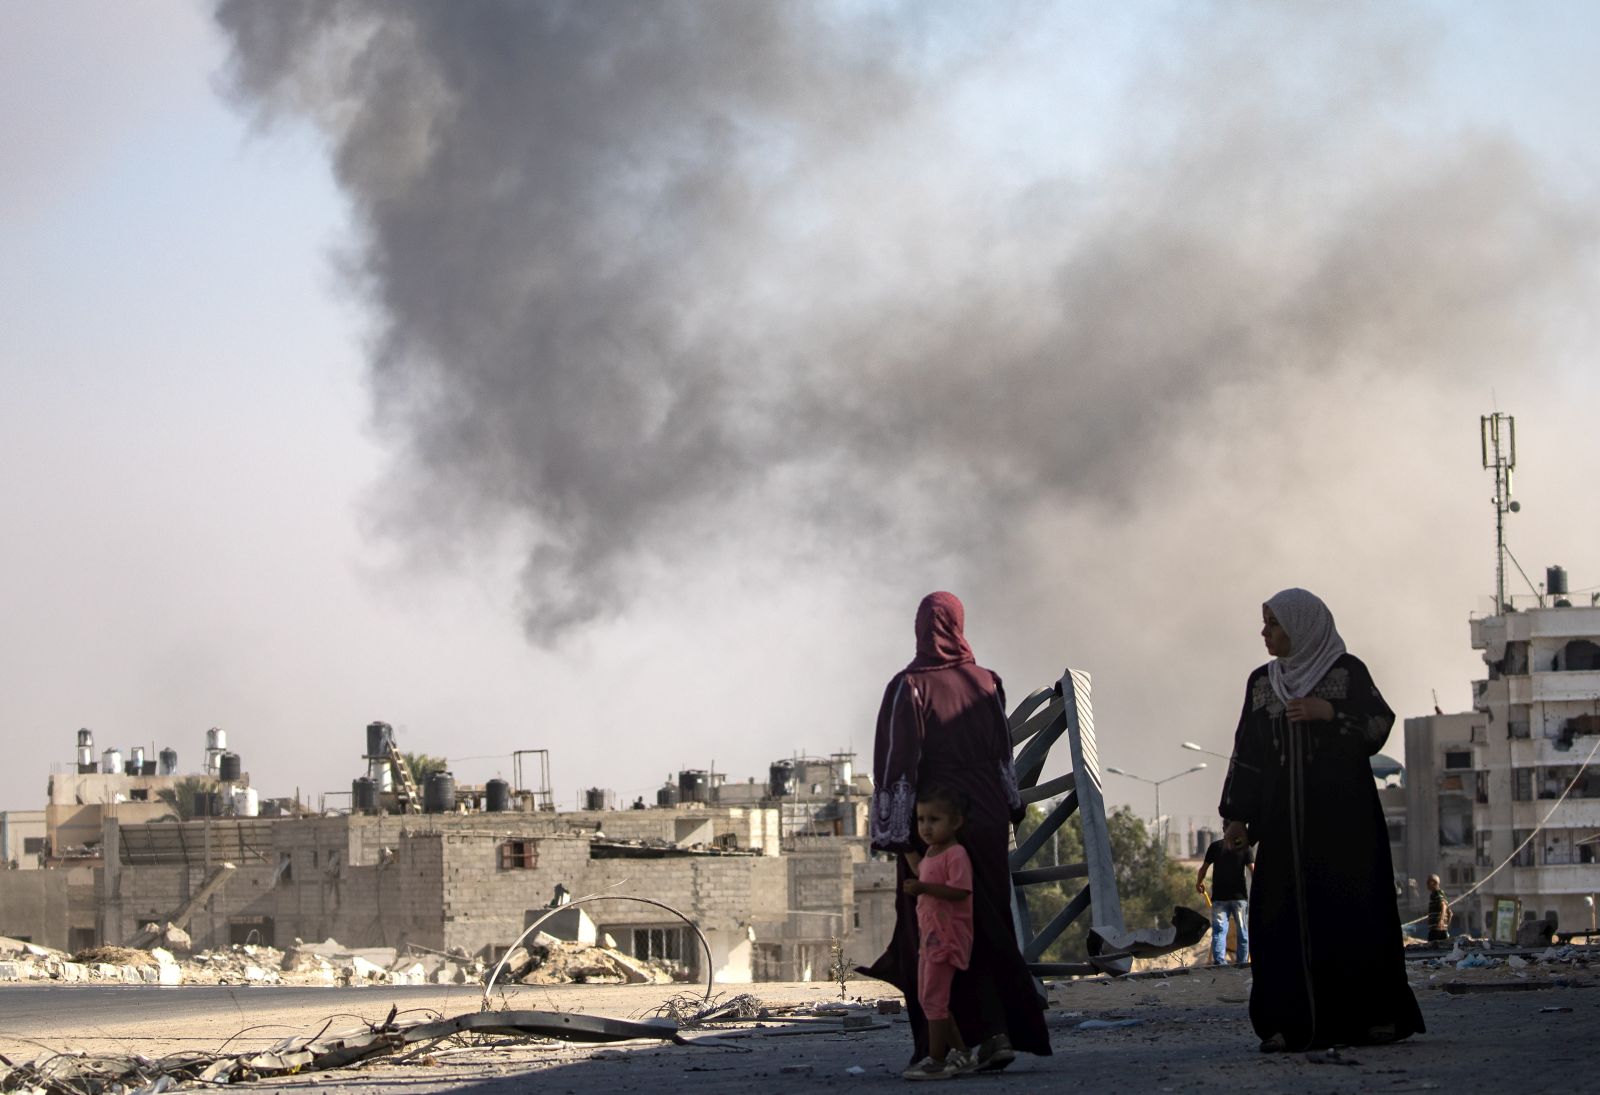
column 779, row 315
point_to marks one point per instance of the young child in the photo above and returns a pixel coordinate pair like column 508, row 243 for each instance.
column 1438, row 912
column 943, row 888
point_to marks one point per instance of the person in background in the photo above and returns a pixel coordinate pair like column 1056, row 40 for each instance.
column 1229, row 899
column 1324, row 924
column 1438, row 912
column 943, row 723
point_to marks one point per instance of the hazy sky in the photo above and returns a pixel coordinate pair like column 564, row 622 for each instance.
column 615, row 378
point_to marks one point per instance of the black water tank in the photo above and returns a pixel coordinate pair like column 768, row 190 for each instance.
column 378, row 735
column 364, row 795
column 667, row 795
column 780, row 779
column 439, row 793
column 497, row 796
column 694, row 785
column 169, row 762
column 594, row 799
column 228, row 767
column 207, row 804
column 1555, row 580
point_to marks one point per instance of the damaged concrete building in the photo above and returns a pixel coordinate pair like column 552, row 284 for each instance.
column 779, row 879
column 1506, row 794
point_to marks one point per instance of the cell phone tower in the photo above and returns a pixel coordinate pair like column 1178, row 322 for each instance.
column 1497, row 436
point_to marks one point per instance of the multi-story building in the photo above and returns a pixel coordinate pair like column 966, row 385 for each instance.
column 1512, row 781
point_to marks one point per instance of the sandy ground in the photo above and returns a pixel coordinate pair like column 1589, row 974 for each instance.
column 1191, row 1034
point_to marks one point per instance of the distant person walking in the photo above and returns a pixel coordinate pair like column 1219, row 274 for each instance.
column 1229, row 899
column 1438, row 912
column 1324, row 923
column 943, row 723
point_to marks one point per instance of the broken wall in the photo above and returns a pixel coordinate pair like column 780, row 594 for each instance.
column 54, row 908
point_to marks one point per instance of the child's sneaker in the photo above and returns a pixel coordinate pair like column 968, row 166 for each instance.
column 929, row 1069
column 963, row 1060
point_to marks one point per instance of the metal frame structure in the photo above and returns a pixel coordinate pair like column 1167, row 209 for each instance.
column 1038, row 722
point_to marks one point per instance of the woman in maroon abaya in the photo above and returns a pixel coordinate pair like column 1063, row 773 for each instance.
column 943, row 724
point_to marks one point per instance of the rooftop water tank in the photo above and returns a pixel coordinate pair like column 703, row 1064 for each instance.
column 694, row 785
column 439, row 793
column 363, row 795
column 111, row 761
column 169, row 762
column 497, row 796
column 85, row 751
column 1555, row 581
column 780, row 779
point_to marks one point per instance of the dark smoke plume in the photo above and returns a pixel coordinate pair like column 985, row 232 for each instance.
column 657, row 279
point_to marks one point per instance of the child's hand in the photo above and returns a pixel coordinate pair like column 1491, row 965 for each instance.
column 911, row 886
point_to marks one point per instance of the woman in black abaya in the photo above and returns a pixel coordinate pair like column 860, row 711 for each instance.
column 1324, row 927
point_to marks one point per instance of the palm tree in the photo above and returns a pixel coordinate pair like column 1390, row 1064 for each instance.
column 181, row 795
column 420, row 764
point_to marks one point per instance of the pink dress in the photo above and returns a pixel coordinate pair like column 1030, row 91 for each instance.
column 945, row 928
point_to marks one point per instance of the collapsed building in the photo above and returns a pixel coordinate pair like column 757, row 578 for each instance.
column 778, row 876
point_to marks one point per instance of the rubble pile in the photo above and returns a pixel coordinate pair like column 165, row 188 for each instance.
column 326, row 963
column 21, row 961
column 546, row 960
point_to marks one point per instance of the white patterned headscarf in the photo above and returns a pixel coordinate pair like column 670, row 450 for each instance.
column 1314, row 643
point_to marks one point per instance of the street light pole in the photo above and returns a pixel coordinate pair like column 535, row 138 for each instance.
column 1161, row 835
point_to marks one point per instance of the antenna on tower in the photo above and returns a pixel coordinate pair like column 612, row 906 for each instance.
column 1497, row 434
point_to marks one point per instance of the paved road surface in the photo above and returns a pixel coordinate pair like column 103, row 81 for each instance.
column 1192, row 1036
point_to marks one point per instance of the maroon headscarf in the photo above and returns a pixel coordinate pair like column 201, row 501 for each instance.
column 940, row 642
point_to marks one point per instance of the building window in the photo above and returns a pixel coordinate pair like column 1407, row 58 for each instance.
column 32, row 845
column 1522, row 784
column 1458, row 759
column 669, row 947
column 519, row 855
column 139, row 794
column 1397, row 835
column 1524, row 857
column 1455, row 823
column 1482, row 795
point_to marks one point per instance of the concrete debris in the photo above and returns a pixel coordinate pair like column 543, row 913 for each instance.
column 556, row 962
column 327, row 963
column 78, row 1074
column 244, row 964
